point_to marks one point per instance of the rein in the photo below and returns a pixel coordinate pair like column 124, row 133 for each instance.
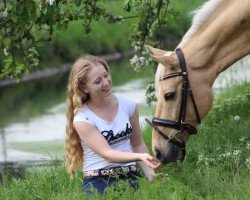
column 179, row 125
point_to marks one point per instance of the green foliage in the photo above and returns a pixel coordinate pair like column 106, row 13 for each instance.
column 21, row 21
column 105, row 38
column 25, row 24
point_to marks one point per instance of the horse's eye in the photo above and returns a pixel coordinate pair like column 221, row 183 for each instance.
column 169, row 96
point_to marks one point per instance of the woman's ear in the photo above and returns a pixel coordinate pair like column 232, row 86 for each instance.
column 84, row 89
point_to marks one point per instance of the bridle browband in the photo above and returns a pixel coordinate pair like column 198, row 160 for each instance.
column 179, row 125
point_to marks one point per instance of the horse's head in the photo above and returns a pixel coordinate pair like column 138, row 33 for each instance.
column 178, row 110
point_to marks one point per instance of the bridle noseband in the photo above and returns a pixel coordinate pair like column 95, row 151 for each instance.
column 179, row 125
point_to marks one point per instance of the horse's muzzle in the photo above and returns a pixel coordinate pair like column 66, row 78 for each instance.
column 170, row 153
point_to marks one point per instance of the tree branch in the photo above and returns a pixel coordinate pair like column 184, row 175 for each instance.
column 5, row 4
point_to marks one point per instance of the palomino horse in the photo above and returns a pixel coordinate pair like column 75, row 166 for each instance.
column 219, row 36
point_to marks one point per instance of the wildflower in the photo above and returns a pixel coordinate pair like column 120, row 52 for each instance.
column 200, row 157
column 237, row 118
column 228, row 154
column 5, row 13
column 222, row 155
column 242, row 139
column 217, row 106
column 236, row 152
column 5, row 51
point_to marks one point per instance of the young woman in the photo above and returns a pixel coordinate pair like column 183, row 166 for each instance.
column 103, row 131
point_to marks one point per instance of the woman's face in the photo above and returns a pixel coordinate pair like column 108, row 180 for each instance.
column 98, row 82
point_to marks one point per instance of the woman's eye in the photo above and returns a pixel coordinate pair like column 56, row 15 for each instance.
column 169, row 96
column 98, row 81
column 106, row 75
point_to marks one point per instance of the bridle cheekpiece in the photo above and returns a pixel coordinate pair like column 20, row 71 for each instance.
column 180, row 125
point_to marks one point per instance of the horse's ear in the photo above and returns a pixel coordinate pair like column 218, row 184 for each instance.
column 166, row 60
column 155, row 51
column 162, row 56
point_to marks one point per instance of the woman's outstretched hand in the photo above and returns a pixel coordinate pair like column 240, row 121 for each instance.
column 151, row 161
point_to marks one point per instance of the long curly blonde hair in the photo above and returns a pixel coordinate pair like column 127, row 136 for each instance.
column 75, row 100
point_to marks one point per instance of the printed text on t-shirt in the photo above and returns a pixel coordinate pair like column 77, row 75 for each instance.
column 123, row 135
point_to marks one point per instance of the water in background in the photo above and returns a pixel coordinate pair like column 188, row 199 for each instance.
column 51, row 126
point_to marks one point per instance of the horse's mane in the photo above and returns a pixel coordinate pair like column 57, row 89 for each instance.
column 200, row 16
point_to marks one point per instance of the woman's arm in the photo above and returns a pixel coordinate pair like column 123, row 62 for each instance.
column 97, row 143
column 139, row 146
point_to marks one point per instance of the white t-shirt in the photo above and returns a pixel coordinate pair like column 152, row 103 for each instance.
column 117, row 133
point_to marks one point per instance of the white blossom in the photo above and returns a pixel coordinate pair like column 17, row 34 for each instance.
column 137, row 45
column 5, row 51
column 138, row 62
column 137, row 48
column 5, row 13
column 51, row 2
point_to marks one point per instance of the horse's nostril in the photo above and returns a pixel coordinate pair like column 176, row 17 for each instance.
column 158, row 154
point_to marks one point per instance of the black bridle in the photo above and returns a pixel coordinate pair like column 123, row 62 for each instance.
column 179, row 125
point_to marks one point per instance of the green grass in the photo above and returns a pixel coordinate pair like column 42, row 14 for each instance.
column 217, row 165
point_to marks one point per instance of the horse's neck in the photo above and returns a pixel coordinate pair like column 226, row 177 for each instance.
column 221, row 40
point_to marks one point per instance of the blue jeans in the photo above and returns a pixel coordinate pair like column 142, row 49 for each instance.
column 100, row 183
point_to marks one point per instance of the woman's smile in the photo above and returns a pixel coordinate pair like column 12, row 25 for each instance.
column 106, row 89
